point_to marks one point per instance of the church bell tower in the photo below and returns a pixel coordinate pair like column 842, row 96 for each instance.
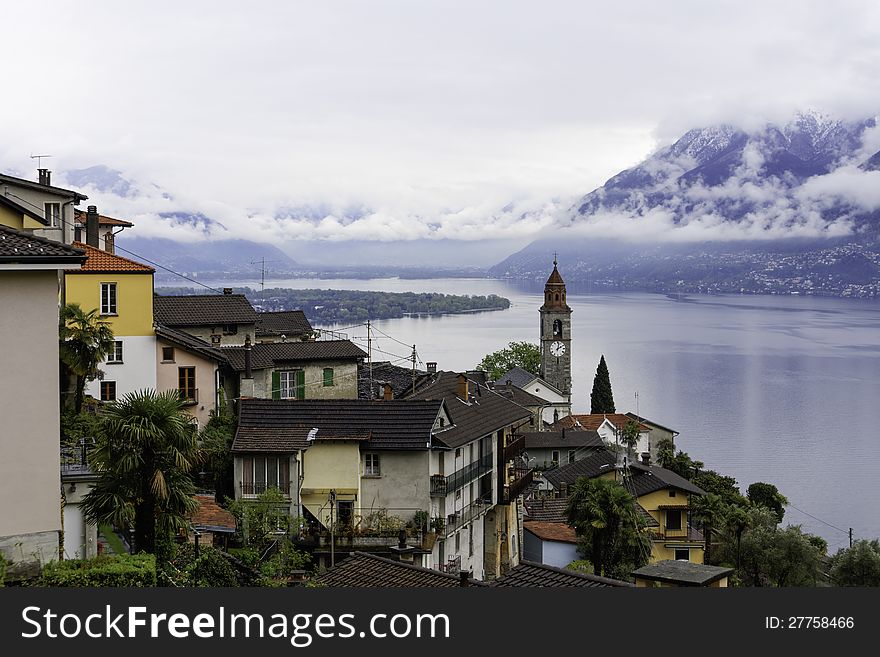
column 556, row 334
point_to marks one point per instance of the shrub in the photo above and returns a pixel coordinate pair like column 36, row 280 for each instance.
column 124, row 570
column 211, row 569
column 2, row 570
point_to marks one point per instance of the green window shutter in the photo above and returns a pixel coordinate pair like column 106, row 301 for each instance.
column 300, row 384
column 328, row 376
column 276, row 385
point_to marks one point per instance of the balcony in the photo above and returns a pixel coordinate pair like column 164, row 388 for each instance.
column 468, row 473
column 452, row 566
column 438, row 486
column 253, row 489
column 457, row 520
column 522, row 480
column 189, row 396
column 514, row 449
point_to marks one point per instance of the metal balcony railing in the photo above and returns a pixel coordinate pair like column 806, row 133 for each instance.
column 189, row 396
column 252, row 489
column 514, row 449
column 438, row 486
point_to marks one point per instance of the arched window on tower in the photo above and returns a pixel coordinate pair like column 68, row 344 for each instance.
column 557, row 296
column 557, row 328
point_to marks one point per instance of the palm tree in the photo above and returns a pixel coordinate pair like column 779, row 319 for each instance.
column 738, row 520
column 603, row 515
column 86, row 340
column 709, row 510
column 144, row 454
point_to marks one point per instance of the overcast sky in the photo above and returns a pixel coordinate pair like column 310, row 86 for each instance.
column 429, row 117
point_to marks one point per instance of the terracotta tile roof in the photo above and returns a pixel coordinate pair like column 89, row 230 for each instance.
column 562, row 439
column 651, row 423
column 398, row 424
column 99, row 261
column 483, row 413
column 80, row 218
column 594, row 421
column 203, row 310
column 211, row 514
column 364, row 570
column 288, row 322
column 530, row 574
column 551, row 531
column 265, row 355
column 22, row 246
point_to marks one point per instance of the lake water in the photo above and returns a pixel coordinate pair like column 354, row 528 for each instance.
column 778, row 389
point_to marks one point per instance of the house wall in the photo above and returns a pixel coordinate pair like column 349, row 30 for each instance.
column 330, row 465
column 30, row 480
column 238, row 464
column 665, row 548
column 403, row 487
column 34, row 199
column 234, row 340
column 533, row 547
column 559, row 554
column 137, row 371
column 80, row 537
column 134, row 297
column 11, row 218
column 344, row 379
column 206, row 378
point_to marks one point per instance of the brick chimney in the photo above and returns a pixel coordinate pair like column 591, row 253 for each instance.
column 646, row 458
column 44, row 177
column 227, row 290
column 464, row 578
column 462, row 391
column 432, row 368
column 247, row 381
column 92, row 226
column 388, row 392
column 402, row 551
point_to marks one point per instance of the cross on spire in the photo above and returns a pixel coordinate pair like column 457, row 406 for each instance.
column 554, row 259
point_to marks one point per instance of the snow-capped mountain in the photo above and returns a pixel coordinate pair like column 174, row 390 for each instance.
column 724, row 192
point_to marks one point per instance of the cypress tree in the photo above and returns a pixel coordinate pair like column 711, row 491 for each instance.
column 602, row 399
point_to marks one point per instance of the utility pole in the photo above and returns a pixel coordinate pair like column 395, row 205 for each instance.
column 850, row 536
column 332, row 536
column 414, row 369
column 370, row 356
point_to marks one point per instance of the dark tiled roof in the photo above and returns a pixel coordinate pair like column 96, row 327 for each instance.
column 554, row 439
column 285, row 440
column 649, row 478
column 362, row 570
column 21, row 246
column 519, row 395
column 189, row 342
column 397, row 424
column 531, row 574
column 549, row 510
column 203, row 310
column 650, row 423
column 594, row 465
column 682, row 572
column 287, row 322
column 264, row 355
column 518, row 377
column 484, row 412
column 551, row 531
column 31, row 184
column 399, row 378
column 80, row 217
column 646, row 517
column 99, row 261
column 594, row 421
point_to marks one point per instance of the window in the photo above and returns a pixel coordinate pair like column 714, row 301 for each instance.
column 470, row 540
column 215, row 339
column 371, row 465
column 328, row 376
column 108, row 298
column 671, row 493
column 458, row 495
column 571, row 453
column 682, row 554
column 168, row 354
column 230, row 329
column 344, row 513
column 108, row 391
column 457, row 542
column 186, row 384
column 673, row 518
column 557, row 328
column 53, row 214
column 555, row 456
column 288, row 384
column 260, row 473
column 115, row 356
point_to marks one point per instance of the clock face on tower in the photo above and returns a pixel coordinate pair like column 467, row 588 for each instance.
column 557, row 349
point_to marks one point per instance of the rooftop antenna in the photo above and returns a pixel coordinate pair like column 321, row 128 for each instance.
column 39, row 159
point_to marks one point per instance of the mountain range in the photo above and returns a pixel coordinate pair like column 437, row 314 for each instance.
column 790, row 208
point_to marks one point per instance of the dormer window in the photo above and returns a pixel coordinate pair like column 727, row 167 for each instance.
column 53, row 214
column 230, row 329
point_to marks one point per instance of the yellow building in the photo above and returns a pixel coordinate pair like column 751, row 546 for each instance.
column 122, row 291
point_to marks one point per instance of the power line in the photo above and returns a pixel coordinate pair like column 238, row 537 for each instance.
column 843, row 531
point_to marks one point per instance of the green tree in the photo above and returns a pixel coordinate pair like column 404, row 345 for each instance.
column 777, row 557
column 709, row 510
column 144, row 454
column 858, row 565
column 604, row 517
column 722, row 485
column 630, row 435
column 216, row 439
column 735, row 525
column 679, row 462
column 85, row 340
column 516, row 354
column 768, row 496
column 601, row 398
